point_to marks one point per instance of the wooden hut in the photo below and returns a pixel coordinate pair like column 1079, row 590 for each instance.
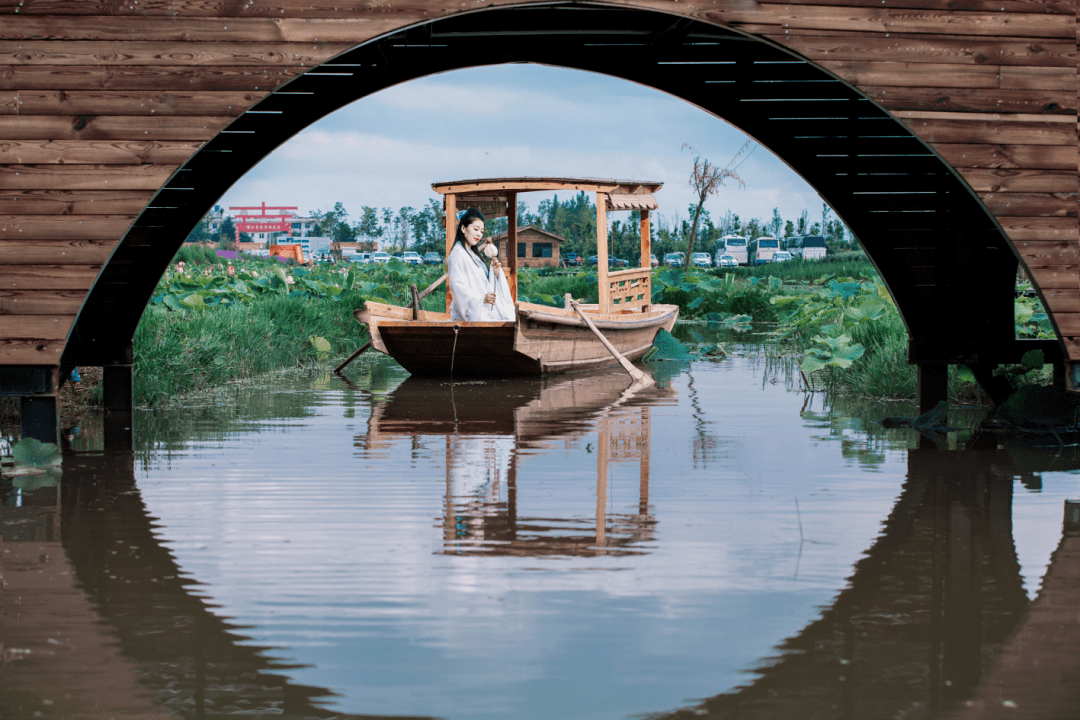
column 535, row 247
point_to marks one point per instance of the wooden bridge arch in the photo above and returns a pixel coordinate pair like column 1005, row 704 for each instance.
column 119, row 124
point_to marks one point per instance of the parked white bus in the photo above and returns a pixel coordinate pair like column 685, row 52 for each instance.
column 736, row 246
column 762, row 249
column 807, row 247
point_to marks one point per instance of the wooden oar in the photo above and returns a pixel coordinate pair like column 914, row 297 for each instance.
column 637, row 375
column 352, row 357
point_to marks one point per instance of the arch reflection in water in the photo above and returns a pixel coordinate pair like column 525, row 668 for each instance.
column 492, row 427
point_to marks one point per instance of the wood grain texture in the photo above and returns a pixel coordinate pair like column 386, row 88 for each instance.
column 1060, row 252
column 1068, row 324
column 17, row 251
column 978, row 100
column 62, row 227
column 77, row 52
column 930, row 49
column 18, row 351
column 1053, row 277
column 1049, row 7
column 1031, row 204
column 84, row 152
column 172, row 77
column 41, row 302
column 1062, row 299
column 896, row 20
column 1038, row 228
column 941, row 75
column 224, row 103
column 84, row 177
column 1045, row 157
column 994, row 132
column 1019, row 180
column 204, row 29
column 67, row 202
column 110, row 127
column 47, row 327
column 47, row 277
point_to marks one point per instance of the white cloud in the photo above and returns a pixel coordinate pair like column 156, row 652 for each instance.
column 387, row 149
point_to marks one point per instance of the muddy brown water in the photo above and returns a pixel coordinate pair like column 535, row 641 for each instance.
column 720, row 545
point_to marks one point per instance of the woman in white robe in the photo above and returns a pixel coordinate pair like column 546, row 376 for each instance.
column 480, row 293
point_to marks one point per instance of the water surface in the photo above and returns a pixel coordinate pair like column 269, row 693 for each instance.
column 720, row 543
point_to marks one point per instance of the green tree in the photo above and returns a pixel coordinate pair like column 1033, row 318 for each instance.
column 227, row 233
column 775, row 224
column 201, row 232
column 368, row 225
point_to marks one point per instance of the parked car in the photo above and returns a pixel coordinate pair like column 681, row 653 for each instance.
column 612, row 261
column 727, row 261
column 380, row 257
column 571, row 259
column 781, row 256
column 432, row 258
column 701, row 259
column 360, row 257
column 675, row 259
column 653, row 261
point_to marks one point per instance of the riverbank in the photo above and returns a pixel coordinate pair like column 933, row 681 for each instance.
column 212, row 322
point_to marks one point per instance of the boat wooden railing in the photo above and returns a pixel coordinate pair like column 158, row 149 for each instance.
column 629, row 289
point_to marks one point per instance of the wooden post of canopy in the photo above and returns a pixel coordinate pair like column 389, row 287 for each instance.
column 451, row 233
column 646, row 240
column 602, row 253
column 646, row 247
column 511, row 243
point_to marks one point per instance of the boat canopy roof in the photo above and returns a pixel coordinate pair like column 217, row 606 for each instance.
column 491, row 195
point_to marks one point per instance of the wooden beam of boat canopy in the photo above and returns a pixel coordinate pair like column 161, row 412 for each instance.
column 451, row 232
column 494, row 188
column 511, row 244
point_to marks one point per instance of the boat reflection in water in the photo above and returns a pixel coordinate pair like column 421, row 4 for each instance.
column 491, row 427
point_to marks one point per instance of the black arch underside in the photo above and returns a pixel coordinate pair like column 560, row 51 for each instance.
column 950, row 269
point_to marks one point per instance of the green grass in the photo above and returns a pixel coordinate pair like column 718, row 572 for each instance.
column 182, row 353
column 240, row 334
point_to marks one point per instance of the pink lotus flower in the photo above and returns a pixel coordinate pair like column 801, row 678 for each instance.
column 230, row 270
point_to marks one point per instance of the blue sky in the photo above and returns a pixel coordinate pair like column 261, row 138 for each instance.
column 516, row 120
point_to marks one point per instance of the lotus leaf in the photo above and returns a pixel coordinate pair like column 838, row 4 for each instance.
column 32, row 453
column 668, row 348
column 321, row 345
column 40, row 478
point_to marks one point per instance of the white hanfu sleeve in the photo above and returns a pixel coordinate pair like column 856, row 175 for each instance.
column 469, row 282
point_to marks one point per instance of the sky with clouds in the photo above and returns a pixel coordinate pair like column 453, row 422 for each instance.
column 516, row 120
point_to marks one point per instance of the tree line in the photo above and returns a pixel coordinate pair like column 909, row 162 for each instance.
column 573, row 219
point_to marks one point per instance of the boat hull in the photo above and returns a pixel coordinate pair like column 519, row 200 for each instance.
column 542, row 341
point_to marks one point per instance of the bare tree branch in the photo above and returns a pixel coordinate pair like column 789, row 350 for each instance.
column 707, row 179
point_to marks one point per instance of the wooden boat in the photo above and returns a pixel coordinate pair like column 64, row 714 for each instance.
column 542, row 339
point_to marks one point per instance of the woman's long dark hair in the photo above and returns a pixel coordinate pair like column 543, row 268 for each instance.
column 466, row 219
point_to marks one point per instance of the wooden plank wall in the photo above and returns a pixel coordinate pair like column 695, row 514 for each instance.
column 100, row 102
